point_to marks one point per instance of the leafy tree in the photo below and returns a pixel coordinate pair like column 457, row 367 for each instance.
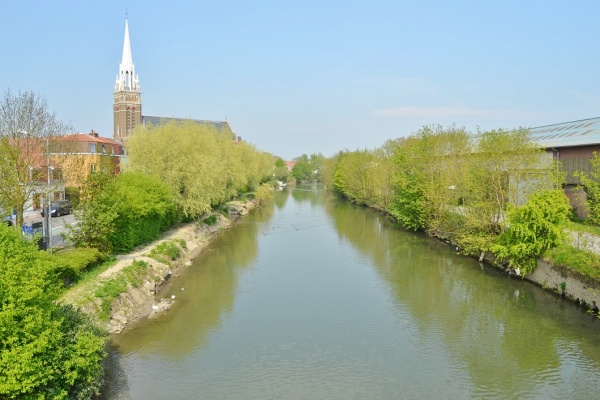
column 46, row 350
column 301, row 169
column 591, row 185
column 201, row 165
column 506, row 167
column 280, row 170
column 96, row 215
column 26, row 127
column 532, row 229
column 122, row 212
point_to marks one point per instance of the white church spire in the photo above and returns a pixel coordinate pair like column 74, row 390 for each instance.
column 127, row 79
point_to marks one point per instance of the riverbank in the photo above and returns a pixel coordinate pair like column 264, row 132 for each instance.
column 560, row 279
column 130, row 289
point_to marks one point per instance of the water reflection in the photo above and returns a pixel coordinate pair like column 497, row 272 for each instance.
column 313, row 297
column 511, row 337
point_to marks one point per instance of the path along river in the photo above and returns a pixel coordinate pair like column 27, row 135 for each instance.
column 315, row 298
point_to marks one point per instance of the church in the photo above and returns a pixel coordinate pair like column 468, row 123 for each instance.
column 127, row 109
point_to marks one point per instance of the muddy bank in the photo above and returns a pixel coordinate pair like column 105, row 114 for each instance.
column 142, row 298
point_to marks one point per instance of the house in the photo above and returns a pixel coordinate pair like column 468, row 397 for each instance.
column 80, row 154
column 573, row 144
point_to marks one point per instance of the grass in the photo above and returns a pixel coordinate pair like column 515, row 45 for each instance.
column 585, row 262
column 109, row 290
column 583, row 228
column 166, row 252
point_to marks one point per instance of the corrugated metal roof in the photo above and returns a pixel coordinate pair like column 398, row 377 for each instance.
column 568, row 134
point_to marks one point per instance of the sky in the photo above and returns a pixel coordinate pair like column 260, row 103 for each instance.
column 307, row 77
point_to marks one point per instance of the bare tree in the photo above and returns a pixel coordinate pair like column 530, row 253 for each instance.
column 26, row 129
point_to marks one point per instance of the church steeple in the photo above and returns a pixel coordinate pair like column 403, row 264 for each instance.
column 128, row 103
column 127, row 79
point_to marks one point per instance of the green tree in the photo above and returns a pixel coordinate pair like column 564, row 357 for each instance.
column 46, row 350
column 591, row 185
column 26, row 127
column 532, row 229
column 119, row 213
column 201, row 165
column 280, row 170
column 301, row 169
column 505, row 168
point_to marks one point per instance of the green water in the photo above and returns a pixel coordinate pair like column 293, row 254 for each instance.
column 314, row 298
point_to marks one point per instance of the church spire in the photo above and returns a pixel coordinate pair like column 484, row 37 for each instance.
column 127, row 79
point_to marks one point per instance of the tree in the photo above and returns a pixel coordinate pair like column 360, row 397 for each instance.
column 26, row 127
column 200, row 164
column 532, row 229
column 46, row 350
column 119, row 213
column 280, row 170
column 591, row 185
column 505, row 168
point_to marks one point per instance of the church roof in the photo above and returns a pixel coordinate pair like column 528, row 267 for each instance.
column 568, row 134
column 149, row 120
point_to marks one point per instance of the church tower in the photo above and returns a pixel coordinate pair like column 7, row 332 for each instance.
column 128, row 101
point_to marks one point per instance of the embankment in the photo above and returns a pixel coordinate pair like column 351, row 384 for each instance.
column 140, row 297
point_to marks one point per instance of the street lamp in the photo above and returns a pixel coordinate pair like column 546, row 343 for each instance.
column 47, row 216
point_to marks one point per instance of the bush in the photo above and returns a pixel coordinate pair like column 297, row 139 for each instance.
column 533, row 228
column 46, row 350
column 123, row 212
column 168, row 249
column 71, row 264
column 210, row 220
column 264, row 193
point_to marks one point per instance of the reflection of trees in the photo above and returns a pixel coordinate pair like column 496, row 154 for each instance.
column 314, row 193
column 280, row 198
column 209, row 293
column 503, row 331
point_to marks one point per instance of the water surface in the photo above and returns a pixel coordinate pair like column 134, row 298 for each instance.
column 314, row 298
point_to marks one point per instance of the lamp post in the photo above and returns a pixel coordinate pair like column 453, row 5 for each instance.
column 47, row 216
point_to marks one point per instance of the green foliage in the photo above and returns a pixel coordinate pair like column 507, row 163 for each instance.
column 46, row 350
column 210, row 220
column 70, row 265
column 307, row 169
column 264, row 193
column 123, row 212
column 132, row 275
column 200, row 165
column 95, row 215
column 533, row 228
column 168, row 249
column 280, row 171
column 583, row 261
column 591, row 185
column 26, row 125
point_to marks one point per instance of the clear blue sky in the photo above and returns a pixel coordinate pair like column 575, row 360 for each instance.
column 312, row 76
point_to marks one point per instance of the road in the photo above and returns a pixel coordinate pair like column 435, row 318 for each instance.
column 57, row 225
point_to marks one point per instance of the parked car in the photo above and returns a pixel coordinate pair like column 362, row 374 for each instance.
column 7, row 220
column 58, row 208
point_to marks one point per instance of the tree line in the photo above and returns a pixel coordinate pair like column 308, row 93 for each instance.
column 491, row 192
column 174, row 172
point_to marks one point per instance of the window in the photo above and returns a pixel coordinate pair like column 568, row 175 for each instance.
column 93, row 167
column 92, row 147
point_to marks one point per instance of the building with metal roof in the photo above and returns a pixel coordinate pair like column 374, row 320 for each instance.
column 572, row 143
column 585, row 132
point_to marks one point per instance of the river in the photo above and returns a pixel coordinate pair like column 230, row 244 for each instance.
column 315, row 298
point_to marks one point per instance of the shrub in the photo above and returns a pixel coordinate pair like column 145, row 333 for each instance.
column 533, row 228
column 71, row 264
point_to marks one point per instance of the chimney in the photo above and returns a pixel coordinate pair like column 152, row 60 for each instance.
column 93, row 133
